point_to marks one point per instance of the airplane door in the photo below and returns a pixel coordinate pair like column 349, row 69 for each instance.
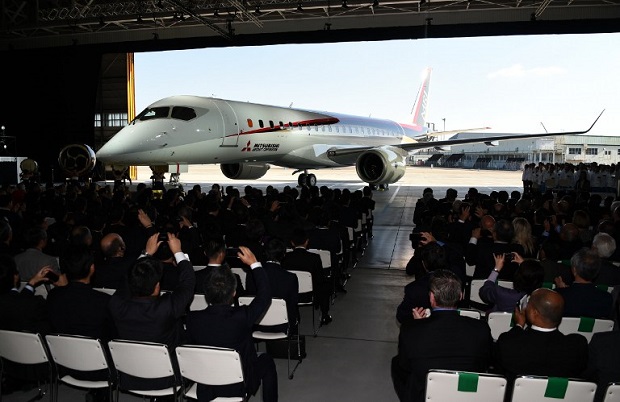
column 230, row 124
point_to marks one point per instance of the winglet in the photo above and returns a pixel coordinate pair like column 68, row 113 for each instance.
column 599, row 116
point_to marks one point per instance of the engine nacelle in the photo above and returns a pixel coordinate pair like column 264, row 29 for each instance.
column 77, row 159
column 385, row 165
column 244, row 171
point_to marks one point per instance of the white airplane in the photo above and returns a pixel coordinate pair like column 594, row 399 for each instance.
column 246, row 138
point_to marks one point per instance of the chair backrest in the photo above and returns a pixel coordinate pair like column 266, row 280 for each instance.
column 77, row 352
column 209, row 365
column 141, row 359
column 105, row 290
column 23, row 347
column 198, row 302
column 304, row 279
column 242, row 274
column 585, row 326
column 470, row 313
column 40, row 290
column 449, row 386
column 326, row 257
column 474, row 294
column 499, row 322
column 538, row 388
column 612, row 392
column 276, row 314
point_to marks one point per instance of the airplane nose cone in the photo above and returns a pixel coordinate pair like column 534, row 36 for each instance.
column 112, row 151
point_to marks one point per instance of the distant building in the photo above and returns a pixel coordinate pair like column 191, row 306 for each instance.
column 511, row 155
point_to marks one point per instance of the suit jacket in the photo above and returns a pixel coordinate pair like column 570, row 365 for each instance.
column 481, row 255
column 201, row 278
column 284, row 285
column 416, row 295
column 78, row 309
column 603, row 358
column 231, row 327
column 609, row 274
column 112, row 273
column 585, row 300
column 445, row 340
column 23, row 311
column 521, row 352
column 155, row 319
column 301, row 259
column 499, row 297
column 32, row 260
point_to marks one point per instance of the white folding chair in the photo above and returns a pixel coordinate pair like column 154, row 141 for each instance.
column 612, row 392
column 80, row 353
column 326, row 257
column 275, row 315
column 242, row 274
column 585, row 326
column 198, row 302
column 540, row 389
column 499, row 322
column 470, row 313
column 306, row 294
column 29, row 349
column 449, row 386
column 144, row 360
column 210, row 366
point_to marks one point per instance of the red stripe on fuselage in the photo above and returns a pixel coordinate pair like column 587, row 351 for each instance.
column 330, row 120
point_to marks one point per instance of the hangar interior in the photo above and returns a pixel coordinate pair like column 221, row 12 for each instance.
column 68, row 65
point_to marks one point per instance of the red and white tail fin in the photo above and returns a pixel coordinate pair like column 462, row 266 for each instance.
column 418, row 113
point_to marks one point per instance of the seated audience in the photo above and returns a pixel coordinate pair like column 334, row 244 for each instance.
column 605, row 246
column 539, row 348
column 111, row 273
column 445, row 340
column 223, row 325
column 582, row 298
column 528, row 277
column 31, row 261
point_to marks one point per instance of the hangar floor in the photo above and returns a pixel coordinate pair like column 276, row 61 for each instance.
column 349, row 360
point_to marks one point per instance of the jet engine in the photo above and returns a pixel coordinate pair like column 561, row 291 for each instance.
column 244, row 171
column 385, row 165
column 77, row 159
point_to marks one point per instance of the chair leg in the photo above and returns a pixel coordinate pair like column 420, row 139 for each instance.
column 291, row 374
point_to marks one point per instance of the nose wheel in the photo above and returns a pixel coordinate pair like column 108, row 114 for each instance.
column 305, row 179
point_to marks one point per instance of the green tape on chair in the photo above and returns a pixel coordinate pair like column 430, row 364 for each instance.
column 603, row 287
column 547, row 285
column 556, row 387
column 468, row 382
column 586, row 324
column 565, row 262
column 512, row 320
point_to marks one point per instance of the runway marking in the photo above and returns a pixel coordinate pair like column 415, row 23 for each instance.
column 394, row 195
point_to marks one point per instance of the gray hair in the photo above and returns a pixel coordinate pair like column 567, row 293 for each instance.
column 604, row 244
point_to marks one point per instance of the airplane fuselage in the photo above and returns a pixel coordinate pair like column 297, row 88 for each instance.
column 201, row 130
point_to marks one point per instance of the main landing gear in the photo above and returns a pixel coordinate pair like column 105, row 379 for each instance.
column 380, row 187
column 306, row 179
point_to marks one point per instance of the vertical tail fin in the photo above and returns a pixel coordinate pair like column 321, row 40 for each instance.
column 418, row 113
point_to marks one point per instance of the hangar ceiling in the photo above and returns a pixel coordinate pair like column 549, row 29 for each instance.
column 31, row 24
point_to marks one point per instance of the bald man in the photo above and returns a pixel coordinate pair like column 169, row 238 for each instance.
column 535, row 346
column 112, row 271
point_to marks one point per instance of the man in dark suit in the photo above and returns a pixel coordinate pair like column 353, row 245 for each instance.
column 141, row 313
column 481, row 254
column 284, row 285
column 77, row 308
column 430, row 343
column 215, row 252
column 540, row 349
column 112, row 271
column 224, row 325
column 300, row 259
column 582, row 298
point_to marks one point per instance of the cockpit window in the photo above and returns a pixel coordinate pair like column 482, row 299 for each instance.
column 183, row 113
column 153, row 113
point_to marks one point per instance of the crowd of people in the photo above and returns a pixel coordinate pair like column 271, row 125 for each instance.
column 594, row 177
column 558, row 251
column 156, row 249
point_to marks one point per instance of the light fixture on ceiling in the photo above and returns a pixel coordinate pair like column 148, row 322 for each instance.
column 299, row 7
column 257, row 11
column 216, row 13
column 375, row 3
column 160, row 4
column 139, row 19
column 344, row 4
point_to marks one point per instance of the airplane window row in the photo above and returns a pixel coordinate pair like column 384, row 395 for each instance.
column 324, row 128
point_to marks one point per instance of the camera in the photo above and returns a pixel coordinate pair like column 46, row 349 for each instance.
column 415, row 238
column 508, row 256
column 232, row 252
column 163, row 236
column 52, row 276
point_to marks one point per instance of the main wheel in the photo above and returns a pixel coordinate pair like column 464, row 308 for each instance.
column 301, row 179
column 383, row 187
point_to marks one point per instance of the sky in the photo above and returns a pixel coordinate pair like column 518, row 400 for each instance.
column 510, row 83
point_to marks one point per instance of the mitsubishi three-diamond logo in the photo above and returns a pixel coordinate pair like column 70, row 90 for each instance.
column 247, row 148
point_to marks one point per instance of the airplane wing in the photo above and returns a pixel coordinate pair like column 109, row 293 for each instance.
column 430, row 144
